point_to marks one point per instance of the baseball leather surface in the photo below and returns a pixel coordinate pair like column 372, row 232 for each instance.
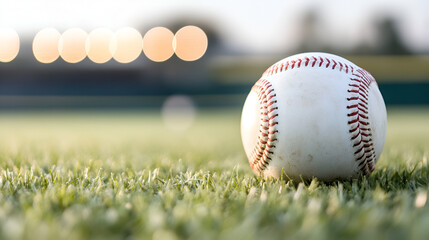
column 314, row 115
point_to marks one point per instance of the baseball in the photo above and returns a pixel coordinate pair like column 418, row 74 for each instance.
column 314, row 115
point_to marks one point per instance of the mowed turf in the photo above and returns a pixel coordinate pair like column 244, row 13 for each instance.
column 102, row 175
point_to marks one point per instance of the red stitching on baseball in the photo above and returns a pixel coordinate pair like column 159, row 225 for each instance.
column 353, row 114
column 363, row 101
column 363, row 95
column 307, row 60
column 363, row 105
column 363, row 122
column 335, row 64
column 360, row 129
column 357, row 135
column 364, row 116
column 329, row 62
column 261, row 154
column 353, row 106
column 353, row 129
column 360, row 158
column 359, row 150
column 321, row 61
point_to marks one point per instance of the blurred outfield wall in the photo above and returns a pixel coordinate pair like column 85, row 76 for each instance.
column 213, row 81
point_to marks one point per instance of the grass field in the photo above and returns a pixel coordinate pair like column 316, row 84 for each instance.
column 102, row 175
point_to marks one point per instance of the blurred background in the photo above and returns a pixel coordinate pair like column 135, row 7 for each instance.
column 197, row 54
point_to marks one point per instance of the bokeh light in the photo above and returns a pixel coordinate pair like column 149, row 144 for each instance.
column 9, row 44
column 178, row 112
column 190, row 43
column 158, row 44
column 98, row 45
column 126, row 45
column 45, row 45
column 72, row 45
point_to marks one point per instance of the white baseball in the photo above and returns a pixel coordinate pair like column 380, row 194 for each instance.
column 314, row 115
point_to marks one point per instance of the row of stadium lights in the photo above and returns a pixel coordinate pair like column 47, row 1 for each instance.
column 101, row 45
